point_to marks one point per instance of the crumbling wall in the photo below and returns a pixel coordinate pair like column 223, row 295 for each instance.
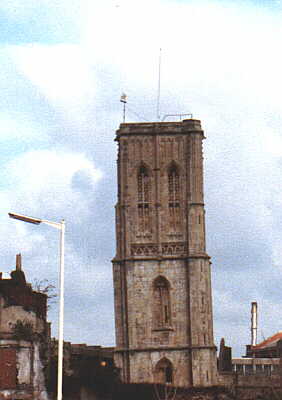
column 39, row 387
column 24, row 359
column 24, row 337
column 8, row 372
column 11, row 314
column 21, row 370
column 252, row 387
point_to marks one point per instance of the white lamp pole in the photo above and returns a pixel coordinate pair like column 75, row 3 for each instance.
column 61, row 227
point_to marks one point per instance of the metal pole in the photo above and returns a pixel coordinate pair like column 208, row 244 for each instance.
column 61, row 226
column 61, row 314
column 124, row 111
column 159, row 87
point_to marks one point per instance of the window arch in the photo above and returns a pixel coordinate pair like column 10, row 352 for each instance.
column 174, row 197
column 164, row 371
column 143, row 199
column 162, row 311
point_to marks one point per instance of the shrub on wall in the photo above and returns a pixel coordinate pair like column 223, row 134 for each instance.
column 23, row 330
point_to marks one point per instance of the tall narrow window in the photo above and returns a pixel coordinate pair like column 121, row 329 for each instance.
column 143, row 200
column 162, row 313
column 164, row 371
column 174, row 198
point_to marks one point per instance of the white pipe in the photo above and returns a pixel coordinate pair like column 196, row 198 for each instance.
column 254, row 323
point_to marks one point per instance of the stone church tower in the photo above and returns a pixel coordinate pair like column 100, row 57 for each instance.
column 162, row 284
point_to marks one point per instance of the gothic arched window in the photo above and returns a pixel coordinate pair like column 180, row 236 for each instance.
column 162, row 312
column 164, row 371
column 143, row 183
column 174, row 198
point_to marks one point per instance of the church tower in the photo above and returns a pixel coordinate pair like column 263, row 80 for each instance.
column 162, row 284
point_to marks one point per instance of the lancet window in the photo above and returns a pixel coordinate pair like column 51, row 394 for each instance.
column 164, row 371
column 162, row 312
column 174, row 198
column 143, row 183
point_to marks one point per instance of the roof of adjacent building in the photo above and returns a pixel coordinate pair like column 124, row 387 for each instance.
column 269, row 342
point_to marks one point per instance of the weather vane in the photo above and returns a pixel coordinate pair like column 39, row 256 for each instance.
column 123, row 99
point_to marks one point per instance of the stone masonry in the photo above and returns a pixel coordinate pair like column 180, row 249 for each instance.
column 24, row 338
column 163, row 306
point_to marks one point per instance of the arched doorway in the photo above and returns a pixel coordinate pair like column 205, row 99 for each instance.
column 164, row 371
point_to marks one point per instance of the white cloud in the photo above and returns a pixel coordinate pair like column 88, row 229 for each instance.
column 205, row 43
column 40, row 185
column 61, row 72
column 42, row 167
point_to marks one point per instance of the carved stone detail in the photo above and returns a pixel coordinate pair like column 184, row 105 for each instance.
column 151, row 249
column 144, row 249
column 174, row 248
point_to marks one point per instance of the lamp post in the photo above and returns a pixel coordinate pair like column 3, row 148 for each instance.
column 61, row 227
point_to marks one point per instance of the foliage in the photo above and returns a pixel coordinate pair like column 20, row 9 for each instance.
column 23, row 330
column 45, row 287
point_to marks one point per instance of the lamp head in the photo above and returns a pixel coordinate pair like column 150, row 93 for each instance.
column 24, row 218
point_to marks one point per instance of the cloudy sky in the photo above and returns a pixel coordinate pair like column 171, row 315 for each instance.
column 64, row 65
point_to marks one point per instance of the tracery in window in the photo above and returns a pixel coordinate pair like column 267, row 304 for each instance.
column 164, row 371
column 143, row 183
column 174, row 198
column 162, row 312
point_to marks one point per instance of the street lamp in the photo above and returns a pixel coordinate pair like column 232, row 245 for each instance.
column 61, row 227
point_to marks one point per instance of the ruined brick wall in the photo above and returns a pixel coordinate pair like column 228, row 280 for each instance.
column 8, row 370
column 161, row 270
column 24, row 296
column 23, row 340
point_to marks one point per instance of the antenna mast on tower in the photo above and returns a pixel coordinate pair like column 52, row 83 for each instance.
column 159, row 87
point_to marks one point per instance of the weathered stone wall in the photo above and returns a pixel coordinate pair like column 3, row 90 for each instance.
column 24, row 336
column 144, row 336
column 252, row 387
column 11, row 314
column 22, row 377
column 161, row 259
column 162, row 147
column 149, row 360
column 24, row 363
column 140, row 278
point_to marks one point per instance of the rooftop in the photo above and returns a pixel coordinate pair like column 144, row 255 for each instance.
column 269, row 342
column 149, row 128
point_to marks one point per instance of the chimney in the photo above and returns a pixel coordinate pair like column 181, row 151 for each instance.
column 18, row 262
column 254, row 323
